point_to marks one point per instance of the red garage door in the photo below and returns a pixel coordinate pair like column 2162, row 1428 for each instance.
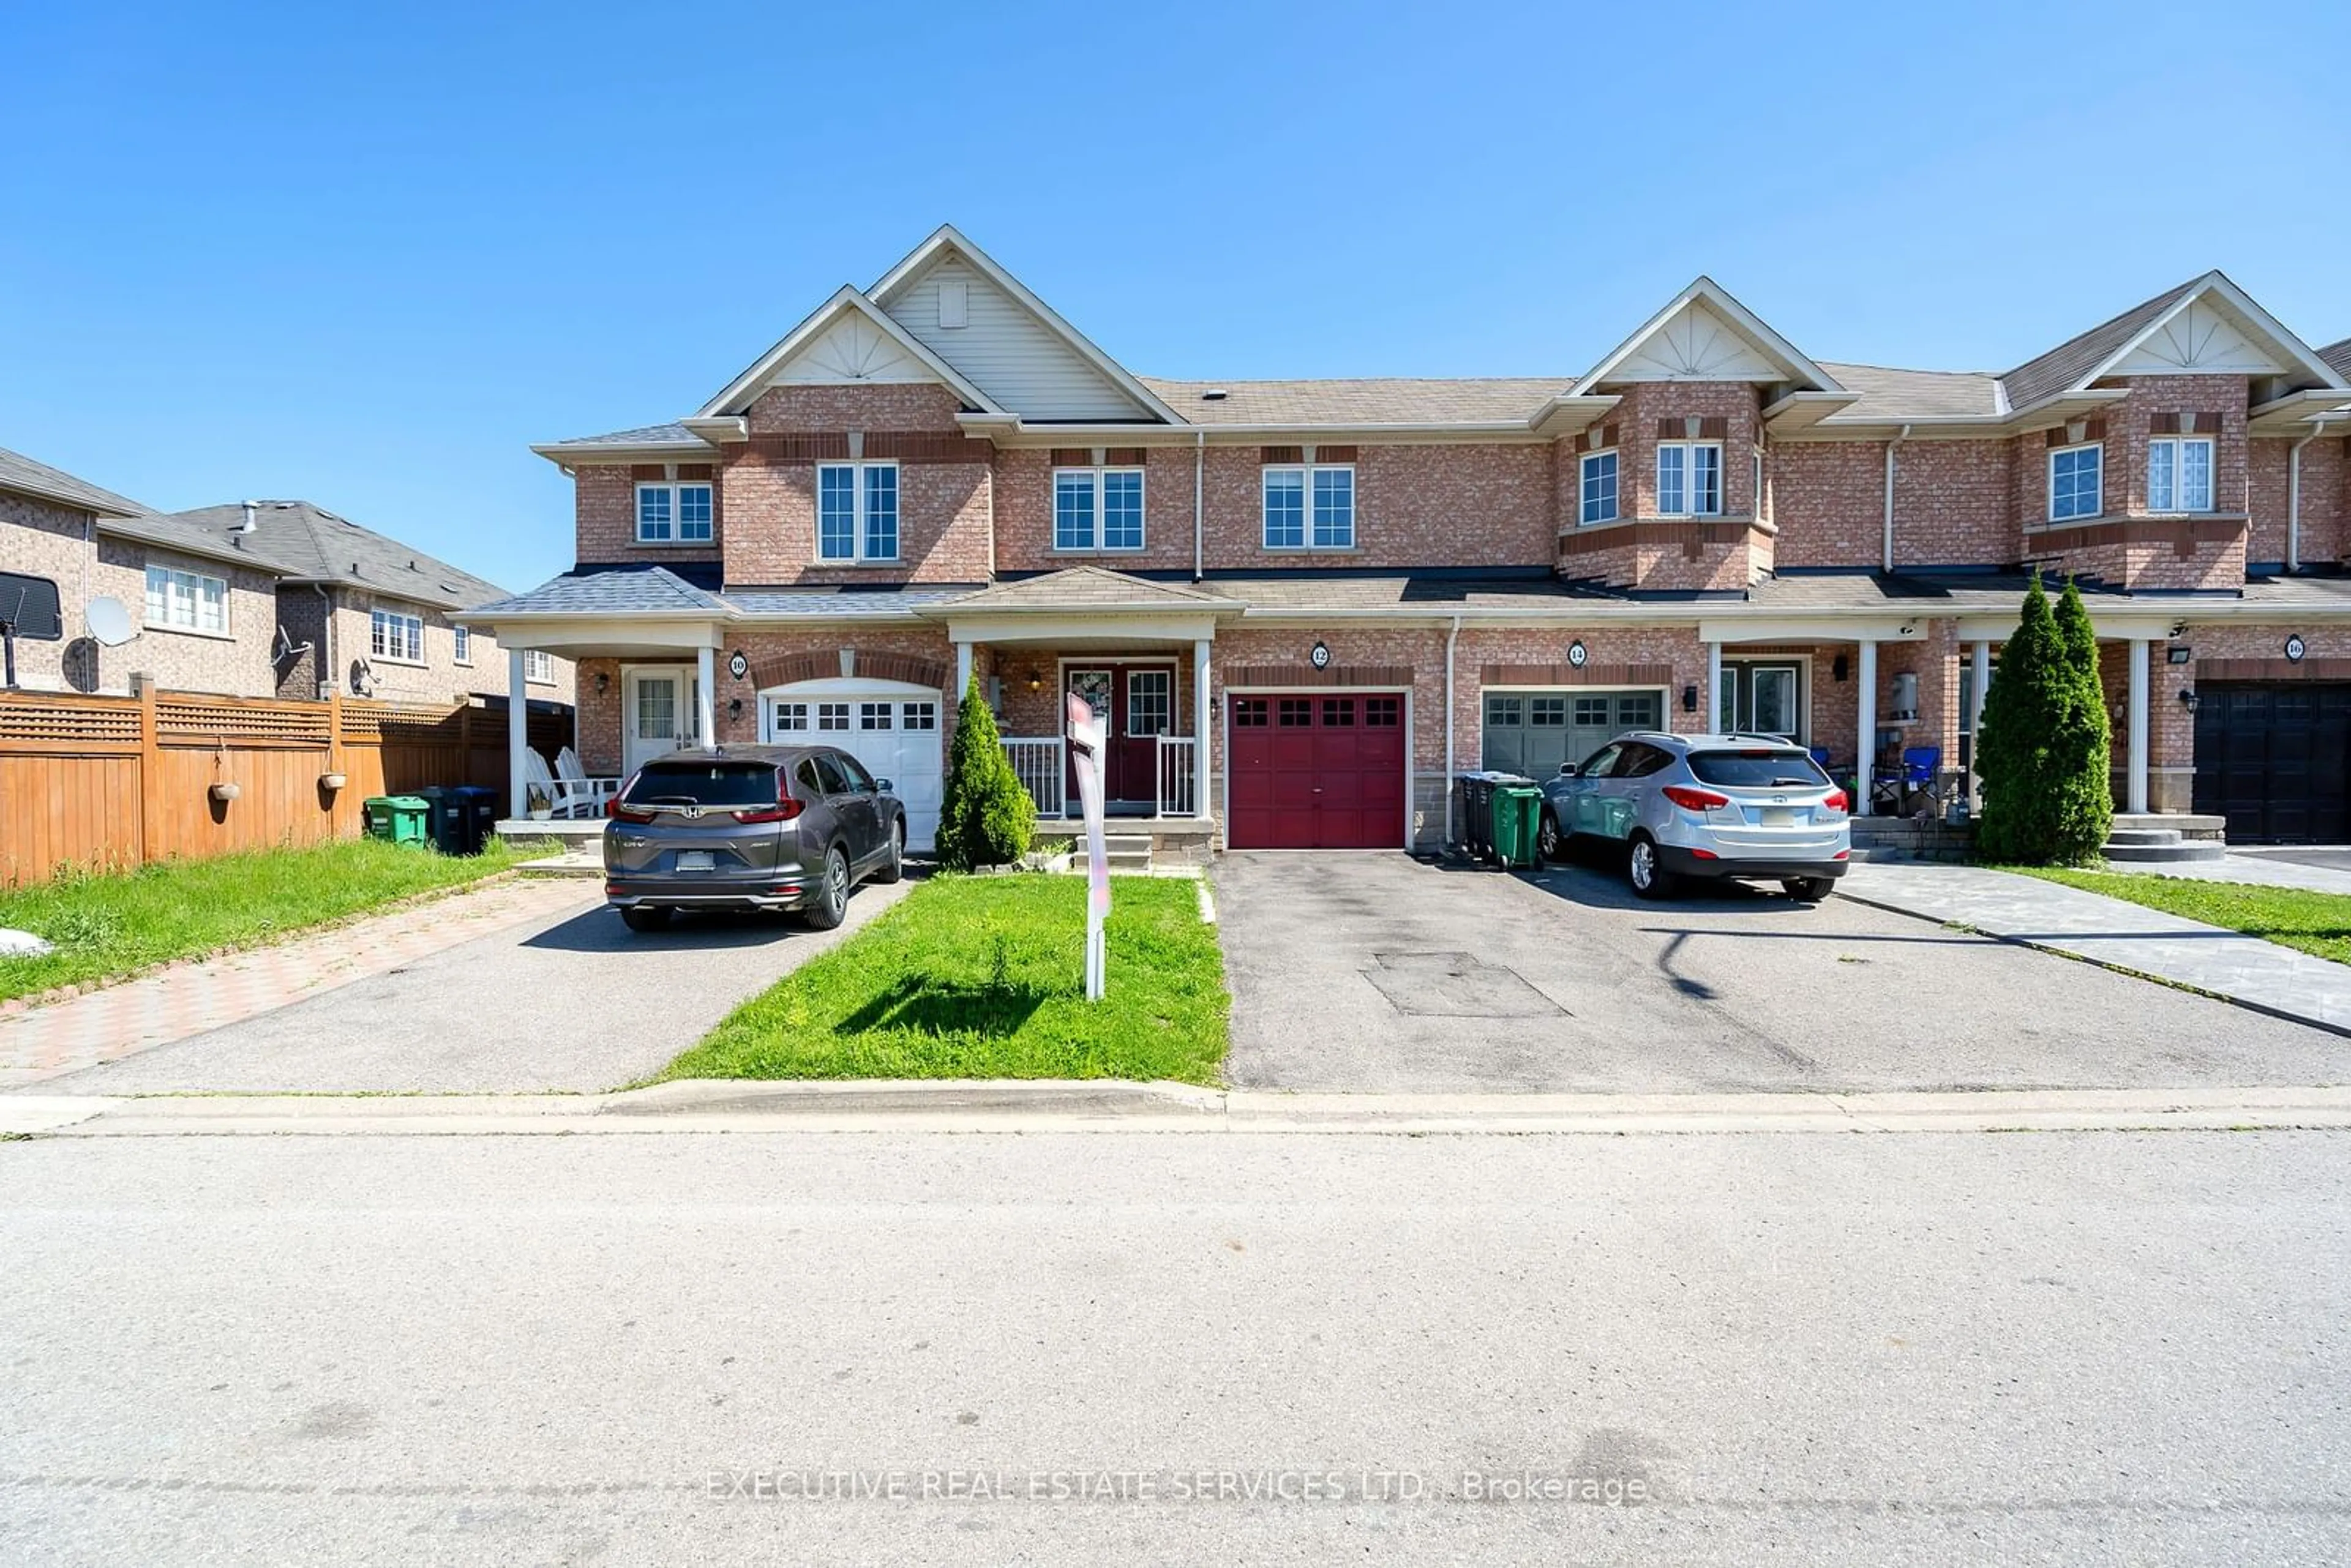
column 1317, row 770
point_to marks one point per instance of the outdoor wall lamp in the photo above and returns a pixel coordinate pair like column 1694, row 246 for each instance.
column 734, row 707
column 1036, row 680
column 1837, row 668
column 2187, row 698
column 602, row 680
column 1690, row 699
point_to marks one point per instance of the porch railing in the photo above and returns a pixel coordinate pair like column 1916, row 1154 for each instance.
column 1177, row 796
column 1037, row 762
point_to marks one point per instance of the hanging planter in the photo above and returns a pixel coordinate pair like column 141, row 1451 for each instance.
column 222, row 790
column 332, row 781
column 225, row 791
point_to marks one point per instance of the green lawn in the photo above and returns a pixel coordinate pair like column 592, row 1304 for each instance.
column 2317, row 923
column 982, row 977
column 112, row 925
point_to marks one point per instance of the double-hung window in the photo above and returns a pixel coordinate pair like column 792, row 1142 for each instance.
column 857, row 512
column 538, row 666
column 1689, row 479
column 1098, row 508
column 1310, row 505
column 462, row 638
column 2076, row 482
column 397, row 637
column 1599, row 488
column 673, row 513
column 186, row 600
column 2179, row 474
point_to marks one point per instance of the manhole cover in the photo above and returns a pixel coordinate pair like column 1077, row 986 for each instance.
column 1455, row 984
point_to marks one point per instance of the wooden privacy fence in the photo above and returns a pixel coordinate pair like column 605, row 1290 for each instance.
column 115, row 782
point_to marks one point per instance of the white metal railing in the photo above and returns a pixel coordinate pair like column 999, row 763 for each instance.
column 1177, row 794
column 1037, row 762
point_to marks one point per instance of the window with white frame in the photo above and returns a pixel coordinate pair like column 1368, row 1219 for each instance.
column 1599, row 488
column 1690, row 478
column 394, row 636
column 857, row 512
column 673, row 513
column 186, row 600
column 2179, row 474
column 1097, row 508
column 462, row 638
column 538, row 666
column 2077, row 487
column 1313, row 505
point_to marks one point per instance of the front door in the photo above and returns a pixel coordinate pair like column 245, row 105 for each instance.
column 656, row 715
column 1135, row 704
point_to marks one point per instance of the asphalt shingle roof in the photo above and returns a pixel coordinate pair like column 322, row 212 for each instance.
column 831, row 602
column 1078, row 587
column 169, row 532
column 1375, row 400
column 2339, row 357
column 643, row 435
column 307, row 541
column 1401, row 591
column 618, row 589
column 43, row 483
column 1891, row 394
column 2066, row 364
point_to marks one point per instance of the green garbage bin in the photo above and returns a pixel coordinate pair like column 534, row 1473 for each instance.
column 1518, row 816
column 399, row 819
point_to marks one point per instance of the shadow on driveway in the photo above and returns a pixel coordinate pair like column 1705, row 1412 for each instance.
column 602, row 930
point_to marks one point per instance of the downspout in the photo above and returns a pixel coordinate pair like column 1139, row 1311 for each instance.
column 2293, row 494
column 1887, row 554
column 1199, row 501
column 1450, row 638
column 326, row 636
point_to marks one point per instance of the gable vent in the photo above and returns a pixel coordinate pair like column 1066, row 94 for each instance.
column 955, row 302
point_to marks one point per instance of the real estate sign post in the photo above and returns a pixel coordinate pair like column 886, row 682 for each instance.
column 1086, row 756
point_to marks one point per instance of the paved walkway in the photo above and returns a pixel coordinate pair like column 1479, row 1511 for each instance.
column 2117, row 935
column 37, row 1043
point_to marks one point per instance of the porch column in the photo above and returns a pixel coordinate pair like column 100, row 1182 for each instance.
column 1200, row 729
column 1714, row 688
column 2138, row 683
column 963, row 668
column 517, row 736
column 705, row 697
column 1864, row 732
column 1975, row 720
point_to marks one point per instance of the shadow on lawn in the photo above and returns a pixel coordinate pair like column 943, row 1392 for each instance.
column 927, row 1005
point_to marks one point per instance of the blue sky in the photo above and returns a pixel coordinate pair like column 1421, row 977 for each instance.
column 367, row 255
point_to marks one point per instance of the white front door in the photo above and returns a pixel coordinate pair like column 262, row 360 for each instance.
column 893, row 728
column 657, row 708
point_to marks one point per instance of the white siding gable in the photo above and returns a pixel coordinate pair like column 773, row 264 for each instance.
column 1005, row 350
column 852, row 350
column 1696, row 344
column 2202, row 337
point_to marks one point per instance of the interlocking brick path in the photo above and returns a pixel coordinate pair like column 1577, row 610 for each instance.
column 44, row 1042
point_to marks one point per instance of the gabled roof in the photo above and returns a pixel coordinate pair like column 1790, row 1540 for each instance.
column 25, row 478
column 310, row 544
column 2078, row 362
column 1708, row 303
column 640, row 590
column 1386, row 399
column 1077, row 588
column 737, row 396
column 946, row 240
column 169, row 532
column 2338, row 355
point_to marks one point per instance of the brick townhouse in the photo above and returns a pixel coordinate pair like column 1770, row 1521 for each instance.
column 1302, row 605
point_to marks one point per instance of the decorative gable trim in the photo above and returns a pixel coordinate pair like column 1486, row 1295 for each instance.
column 2214, row 327
column 1703, row 334
column 873, row 349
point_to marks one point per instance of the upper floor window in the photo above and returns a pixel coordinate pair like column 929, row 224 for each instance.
column 857, row 512
column 2179, row 474
column 464, row 638
column 397, row 637
column 672, row 514
column 186, row 600
column 1690, row 478
column 2076, row 482
column 1097, row 508
column 1310, row 505
column 1599, row 488
column 538, row 666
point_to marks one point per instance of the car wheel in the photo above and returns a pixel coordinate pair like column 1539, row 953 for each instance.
column 1646, row 872
column 832, row 904
column 645, row 916
column 1548, row 844
column 1808, row 889
column 894, row 865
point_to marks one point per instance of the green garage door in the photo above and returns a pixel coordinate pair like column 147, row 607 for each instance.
column 1534, row 732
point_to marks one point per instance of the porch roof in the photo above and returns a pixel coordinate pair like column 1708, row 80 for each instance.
column 1089, row 589
column 611, row 590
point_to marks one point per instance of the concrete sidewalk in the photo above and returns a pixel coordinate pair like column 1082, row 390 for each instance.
column 2116, row 935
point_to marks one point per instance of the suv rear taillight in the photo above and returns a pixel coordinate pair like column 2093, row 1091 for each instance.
column 1694, row 800
column 1836, row 800
column 621, row 814
column 783, row 810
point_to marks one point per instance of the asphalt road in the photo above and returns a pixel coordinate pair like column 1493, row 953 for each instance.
column 576, row 1002
column 1370, row 972
column 2079, row 1349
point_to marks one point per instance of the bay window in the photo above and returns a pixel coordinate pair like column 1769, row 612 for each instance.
column 2179, row 474
column 2076, row 482
column 1690, row 478
column 1599, row 476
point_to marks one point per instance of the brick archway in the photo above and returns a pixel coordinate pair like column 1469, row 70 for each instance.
column 788, row 669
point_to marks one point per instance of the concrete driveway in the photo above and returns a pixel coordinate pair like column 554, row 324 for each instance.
column 1372, row 972
column 571, row 1002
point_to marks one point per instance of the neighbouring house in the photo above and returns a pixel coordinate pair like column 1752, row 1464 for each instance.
column 203, row 610
column 1300, row 605
column 364, row 613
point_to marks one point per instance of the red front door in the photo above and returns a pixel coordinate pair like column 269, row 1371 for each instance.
column 1135, row 704
column 1317, row 770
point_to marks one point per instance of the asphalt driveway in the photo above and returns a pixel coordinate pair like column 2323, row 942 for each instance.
column 572, row 1001
column 1369, row 972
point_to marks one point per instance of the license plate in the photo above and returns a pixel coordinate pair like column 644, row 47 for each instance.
column 693, row 859
column 1779, row 816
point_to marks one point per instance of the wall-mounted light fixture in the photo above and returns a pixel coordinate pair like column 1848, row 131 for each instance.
column 1837, row 668
column 734, row 707
column 1036, row 680
column 2178, row 655
column 2187, row 698
column 602, row 681
column 1690, row 699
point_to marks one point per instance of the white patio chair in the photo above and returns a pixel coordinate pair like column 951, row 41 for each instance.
column 563, row 798
column 572, row 778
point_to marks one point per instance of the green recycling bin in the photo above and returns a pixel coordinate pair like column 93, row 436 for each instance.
column 397, row 819
column 1518, row 818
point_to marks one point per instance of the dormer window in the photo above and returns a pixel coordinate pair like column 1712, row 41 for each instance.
column 2077, row 482
column 2179, row 474
column 1690, row 478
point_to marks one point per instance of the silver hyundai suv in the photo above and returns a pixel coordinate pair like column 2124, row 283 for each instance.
column 1751, row 807
column 750, row 827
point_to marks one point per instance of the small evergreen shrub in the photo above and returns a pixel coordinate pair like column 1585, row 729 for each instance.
column 986, row 817
column 2044, row 741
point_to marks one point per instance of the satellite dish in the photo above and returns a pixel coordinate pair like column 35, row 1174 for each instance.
column 108, row 622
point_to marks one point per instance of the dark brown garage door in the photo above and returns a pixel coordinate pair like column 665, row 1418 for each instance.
column 1317, row 770
column 2272, row 756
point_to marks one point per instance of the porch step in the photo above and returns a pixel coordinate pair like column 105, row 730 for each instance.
column 2175, row 852
column 1135, row 861
column 2143, row 836
column 2188, row 825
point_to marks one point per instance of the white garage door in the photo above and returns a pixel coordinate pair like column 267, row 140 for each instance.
column 891, row 726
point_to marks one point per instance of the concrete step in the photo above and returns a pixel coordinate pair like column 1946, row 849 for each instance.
column 2185, row 850
column 2187, row 824
column 1128, row 860
column 1115, row 841
column 2143, row 836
